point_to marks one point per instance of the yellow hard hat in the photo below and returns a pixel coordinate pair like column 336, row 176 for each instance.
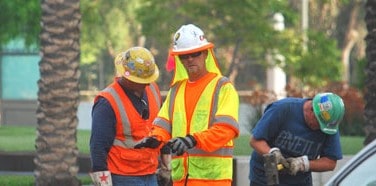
column 137, row 64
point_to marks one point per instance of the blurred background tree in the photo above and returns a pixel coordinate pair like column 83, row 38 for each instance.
column 324, row 49
column 20, row 19
column 370, row 82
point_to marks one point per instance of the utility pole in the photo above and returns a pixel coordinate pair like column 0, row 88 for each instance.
column 305, row 23
column 275, row 76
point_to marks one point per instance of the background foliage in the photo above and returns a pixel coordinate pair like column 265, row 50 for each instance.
column 243, row 32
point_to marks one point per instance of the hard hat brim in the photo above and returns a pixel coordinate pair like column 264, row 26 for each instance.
column 192, row 49
column 148, row 80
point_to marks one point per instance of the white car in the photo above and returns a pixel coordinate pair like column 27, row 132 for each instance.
column 359, row 170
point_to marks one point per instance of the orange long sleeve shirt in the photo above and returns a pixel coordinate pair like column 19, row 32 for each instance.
column 216, row 136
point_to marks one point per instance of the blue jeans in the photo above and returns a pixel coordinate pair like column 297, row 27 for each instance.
column 145, row 180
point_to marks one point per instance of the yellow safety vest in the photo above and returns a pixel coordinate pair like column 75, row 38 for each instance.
column 200, row 164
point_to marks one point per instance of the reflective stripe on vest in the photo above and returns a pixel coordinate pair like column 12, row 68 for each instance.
column 128, row 142
column 220, row 119
column 170, row 99
column 156, row 95
column 123, row 159
column 204, row 113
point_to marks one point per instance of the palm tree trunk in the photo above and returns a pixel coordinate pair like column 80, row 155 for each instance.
column 58, row 95
column 370, row 95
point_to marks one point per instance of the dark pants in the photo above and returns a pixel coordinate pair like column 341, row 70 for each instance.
column 146, row 180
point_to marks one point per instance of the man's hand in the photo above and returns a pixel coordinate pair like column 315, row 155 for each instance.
column 298, row 164
column 164, row 170
column 280, row 159
column 101, row 178
column 180, row 145
column 164, row 177
column 148, row 142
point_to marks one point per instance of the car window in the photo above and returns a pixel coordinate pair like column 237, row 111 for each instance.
column 363, row 174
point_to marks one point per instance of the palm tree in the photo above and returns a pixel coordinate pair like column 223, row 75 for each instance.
column 370, row 95
column 58, row 95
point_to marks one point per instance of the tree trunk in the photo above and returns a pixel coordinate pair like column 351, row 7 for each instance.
column 58, row 95
column 370, row 84
column 350, row 38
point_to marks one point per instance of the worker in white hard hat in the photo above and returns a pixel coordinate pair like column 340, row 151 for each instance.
column 199, row 118
column 122, row 115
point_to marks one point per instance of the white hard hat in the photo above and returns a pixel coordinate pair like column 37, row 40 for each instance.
column 188, row 39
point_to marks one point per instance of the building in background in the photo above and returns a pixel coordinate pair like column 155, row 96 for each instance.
column 19, row 73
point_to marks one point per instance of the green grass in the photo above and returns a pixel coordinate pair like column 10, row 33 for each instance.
column 26, row 180
column 16, row 180
column 22, row 139
column 242, row 147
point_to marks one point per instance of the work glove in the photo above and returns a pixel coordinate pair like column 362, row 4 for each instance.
column 298, row 164
column 101, row 178
column 148, row 142
column 280, row 159
column 180, row 145
column 164, row 170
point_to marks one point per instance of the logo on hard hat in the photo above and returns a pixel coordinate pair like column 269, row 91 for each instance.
column 325, row 105
column 177, row 36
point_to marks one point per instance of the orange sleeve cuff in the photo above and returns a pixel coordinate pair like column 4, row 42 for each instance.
column 160, row 133
column 217, row 136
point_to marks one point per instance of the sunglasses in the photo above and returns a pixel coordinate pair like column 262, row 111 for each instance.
column 192, row 55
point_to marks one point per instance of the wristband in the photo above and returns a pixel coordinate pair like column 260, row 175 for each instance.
column 306, row 163
column 273, row 149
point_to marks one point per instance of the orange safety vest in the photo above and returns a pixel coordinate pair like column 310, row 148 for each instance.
column 122, row 158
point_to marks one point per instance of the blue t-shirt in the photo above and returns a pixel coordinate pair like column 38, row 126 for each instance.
column 283, row 126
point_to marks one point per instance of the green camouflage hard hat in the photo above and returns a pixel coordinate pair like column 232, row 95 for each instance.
column 329, row 110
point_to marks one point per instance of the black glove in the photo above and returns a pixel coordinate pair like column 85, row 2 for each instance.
column 180, row 145
column 166, row 149
column 148, row 142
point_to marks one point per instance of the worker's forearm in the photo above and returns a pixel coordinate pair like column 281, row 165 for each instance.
column 322, row 164
column 215, row 137
column 259, row 145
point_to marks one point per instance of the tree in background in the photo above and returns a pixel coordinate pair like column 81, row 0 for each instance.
column 370, row 84
column 108, row 28
column 241, row 31
column 58, row 95
column 341, row 21
column 19, row 19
